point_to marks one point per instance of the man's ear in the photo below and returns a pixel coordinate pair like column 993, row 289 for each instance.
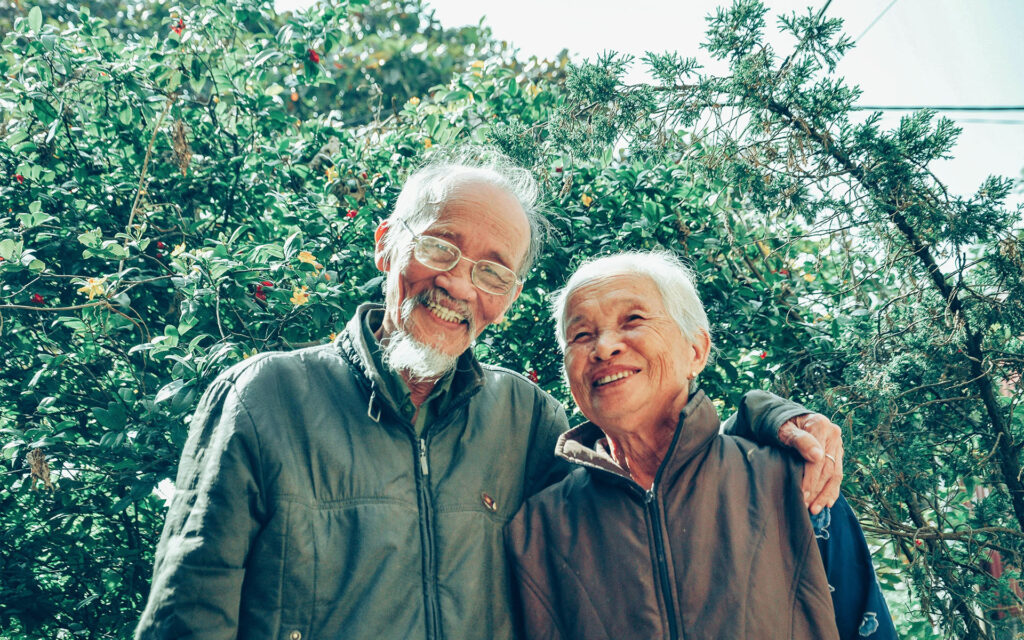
column 379, row 254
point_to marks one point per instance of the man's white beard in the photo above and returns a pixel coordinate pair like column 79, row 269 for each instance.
column 407, row 355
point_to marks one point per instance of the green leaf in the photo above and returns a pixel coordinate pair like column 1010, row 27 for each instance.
column 35, row 19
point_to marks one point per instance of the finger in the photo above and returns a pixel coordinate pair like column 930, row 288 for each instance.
column 833, row 479
column 829, row 493
column 806, row 444
column 814, row 481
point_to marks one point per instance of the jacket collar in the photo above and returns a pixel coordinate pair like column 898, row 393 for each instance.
column 587, row 446
column 353, row 346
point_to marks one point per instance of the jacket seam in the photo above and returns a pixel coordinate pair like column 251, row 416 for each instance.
column 582, row 587
column 528, row 581
column 797, row 584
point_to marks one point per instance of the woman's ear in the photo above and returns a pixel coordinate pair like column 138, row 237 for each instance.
column 380, row 256
column 701, row 345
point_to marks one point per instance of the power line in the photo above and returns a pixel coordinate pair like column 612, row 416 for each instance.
column 988, row 121
column 938, row 108
column 877, row 18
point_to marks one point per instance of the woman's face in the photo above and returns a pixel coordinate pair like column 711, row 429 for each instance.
column 628, row 364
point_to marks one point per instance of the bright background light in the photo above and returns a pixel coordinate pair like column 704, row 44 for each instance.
column 911, row 53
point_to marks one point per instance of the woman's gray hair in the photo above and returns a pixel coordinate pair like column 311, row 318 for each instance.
column 431, row 186
column 673, row 279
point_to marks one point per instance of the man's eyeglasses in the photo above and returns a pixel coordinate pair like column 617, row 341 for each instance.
column 442, row 255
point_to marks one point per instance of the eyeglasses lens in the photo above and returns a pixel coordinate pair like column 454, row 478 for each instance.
column 443, row 256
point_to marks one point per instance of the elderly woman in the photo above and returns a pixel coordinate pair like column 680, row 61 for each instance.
column 667, row 528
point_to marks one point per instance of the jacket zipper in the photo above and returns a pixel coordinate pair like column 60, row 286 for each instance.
column 433, row 609
column 651, row 501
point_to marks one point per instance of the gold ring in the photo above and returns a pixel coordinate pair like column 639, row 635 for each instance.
column 831, row 457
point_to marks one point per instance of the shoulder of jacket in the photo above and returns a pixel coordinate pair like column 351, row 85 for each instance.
column 560, row 495
column 761, row 459
column 514, row 378
column 267, row 368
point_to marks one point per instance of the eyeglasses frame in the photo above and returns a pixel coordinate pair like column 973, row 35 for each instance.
column 416, row 237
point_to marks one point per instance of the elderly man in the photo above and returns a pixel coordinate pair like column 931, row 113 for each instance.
column 359, row 489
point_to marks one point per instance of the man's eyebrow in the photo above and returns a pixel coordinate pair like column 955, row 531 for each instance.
column 456, row 237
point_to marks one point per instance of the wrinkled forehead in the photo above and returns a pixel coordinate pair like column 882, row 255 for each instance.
column 478, row 211
column 595, row 295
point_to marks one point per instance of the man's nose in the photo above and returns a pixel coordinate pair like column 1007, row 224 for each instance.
column 458, row 281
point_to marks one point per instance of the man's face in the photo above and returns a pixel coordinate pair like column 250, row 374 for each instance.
column 444, row 310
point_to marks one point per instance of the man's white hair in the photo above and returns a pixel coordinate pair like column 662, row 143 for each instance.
column 673, row 279
column 430, row 187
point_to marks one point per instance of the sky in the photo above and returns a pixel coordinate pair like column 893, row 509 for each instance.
column 908, row 53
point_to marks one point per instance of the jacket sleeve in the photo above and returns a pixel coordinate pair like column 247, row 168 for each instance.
column 760, row 416
column 861, row 611
column 533, row 613
column 213, row 518
column 544, row 468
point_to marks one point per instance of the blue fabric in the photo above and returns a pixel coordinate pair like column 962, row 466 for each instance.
column 860, row 609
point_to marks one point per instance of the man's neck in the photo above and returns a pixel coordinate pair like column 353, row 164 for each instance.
column 419, row 390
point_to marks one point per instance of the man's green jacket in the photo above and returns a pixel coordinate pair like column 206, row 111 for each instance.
column 306, row 507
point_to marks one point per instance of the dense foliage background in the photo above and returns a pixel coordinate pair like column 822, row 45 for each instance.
column 186, row 184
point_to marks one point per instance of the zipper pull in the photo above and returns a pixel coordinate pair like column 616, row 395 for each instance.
column 421, row 445
column 649, row 495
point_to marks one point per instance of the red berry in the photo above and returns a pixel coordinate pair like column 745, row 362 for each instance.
column 259, row 295
column 558, row 169
column 764, row 354
column 36, row 298
column 533, row 376
column 20, row 178
column 364, row 175
column 266, row 283
column 314, row 57
column 351, row 213
column 160, row 244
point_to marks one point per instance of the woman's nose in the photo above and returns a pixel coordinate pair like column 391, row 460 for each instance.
column 607, row 345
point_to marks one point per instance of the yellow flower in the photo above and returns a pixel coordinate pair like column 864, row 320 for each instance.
column 586, row 200
column 307, row 257
column 178, row 250
column 332, row 174
column 332, row 336
column 427, row 143
column 477, row 64
column 414, row 101
column 533, row 90
column 809, row 277
column 93, row 287
column 299, row 295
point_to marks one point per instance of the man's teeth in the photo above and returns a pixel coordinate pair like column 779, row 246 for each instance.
column 612, row 378
column 444, row 313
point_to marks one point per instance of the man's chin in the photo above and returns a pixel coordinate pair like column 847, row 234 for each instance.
column 417, row 360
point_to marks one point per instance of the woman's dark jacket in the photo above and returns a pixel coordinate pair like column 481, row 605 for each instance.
column 720, row 547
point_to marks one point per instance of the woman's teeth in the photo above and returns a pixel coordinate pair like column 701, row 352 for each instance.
column 612, row 378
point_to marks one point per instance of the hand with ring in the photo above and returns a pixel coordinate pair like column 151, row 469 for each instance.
column 820, row 442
